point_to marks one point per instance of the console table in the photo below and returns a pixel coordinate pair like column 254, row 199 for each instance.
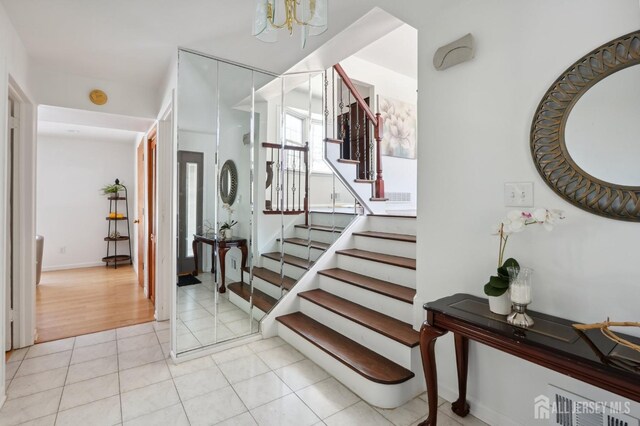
column 222, row 246
column 552, row 343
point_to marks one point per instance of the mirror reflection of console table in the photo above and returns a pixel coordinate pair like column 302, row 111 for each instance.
column 552, row 343
column 222, row 246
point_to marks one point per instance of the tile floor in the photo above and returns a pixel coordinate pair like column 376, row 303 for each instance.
column 123, row 376
column 198, row 307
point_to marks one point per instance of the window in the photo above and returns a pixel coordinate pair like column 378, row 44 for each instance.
column 296, row 127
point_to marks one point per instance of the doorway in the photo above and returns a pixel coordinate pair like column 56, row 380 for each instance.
column 190, row 173
column 88, row 173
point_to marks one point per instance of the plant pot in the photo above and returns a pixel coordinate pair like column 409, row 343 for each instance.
column 500, row 305
column 228, row 234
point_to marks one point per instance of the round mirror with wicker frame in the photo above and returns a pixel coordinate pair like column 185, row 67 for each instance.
column 228, row 182
column 548, row 146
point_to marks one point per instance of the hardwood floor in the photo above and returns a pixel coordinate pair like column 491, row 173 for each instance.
column 81, row 301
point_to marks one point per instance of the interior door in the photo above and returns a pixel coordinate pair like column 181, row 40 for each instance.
column 151, row 208
column 190, row 184
column 12, row 129
column 140, row 219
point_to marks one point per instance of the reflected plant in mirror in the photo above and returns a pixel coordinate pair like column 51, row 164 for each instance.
column 226, row 226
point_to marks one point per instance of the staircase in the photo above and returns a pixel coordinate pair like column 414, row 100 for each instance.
column 356, row 322
column 297, row 254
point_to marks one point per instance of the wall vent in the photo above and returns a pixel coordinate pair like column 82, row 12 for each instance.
column 564, row 408
column 398, row 197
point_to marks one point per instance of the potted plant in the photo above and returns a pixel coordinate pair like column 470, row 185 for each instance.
column 226, row 227
column 113, row 189
column 497, row 289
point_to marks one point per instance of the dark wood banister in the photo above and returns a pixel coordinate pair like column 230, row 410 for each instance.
column 305, row 151
column 378, row 124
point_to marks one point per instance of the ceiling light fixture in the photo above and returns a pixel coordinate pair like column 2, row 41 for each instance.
column 273, row 15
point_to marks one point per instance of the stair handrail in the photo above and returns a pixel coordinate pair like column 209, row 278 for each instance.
column 378, row 125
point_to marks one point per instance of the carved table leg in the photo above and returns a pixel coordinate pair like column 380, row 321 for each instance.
column 194, row 246
column 428, row 336
column 222, row 253
column 245, row 253
column 461, row 407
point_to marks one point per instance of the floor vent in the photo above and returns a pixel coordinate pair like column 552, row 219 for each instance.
column 398, row 197
column 567, row 409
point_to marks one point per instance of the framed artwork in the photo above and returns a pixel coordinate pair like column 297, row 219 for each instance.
column 399, row 135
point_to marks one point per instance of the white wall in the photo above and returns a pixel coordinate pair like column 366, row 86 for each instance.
column 400, row 174
column 71, row 209
column 474, row 122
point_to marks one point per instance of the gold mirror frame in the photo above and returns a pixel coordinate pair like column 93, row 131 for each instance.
column 548, row 146
column 228, row 173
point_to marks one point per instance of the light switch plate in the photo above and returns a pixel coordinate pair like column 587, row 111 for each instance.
column 518, row 194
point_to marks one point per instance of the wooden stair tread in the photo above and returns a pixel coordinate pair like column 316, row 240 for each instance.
column 364, row 180
column 378, row 199
column 402, row 262
column 321, row 228
column 272, row 277
column 395, row 291
column 387, row 326
column 261, row 300
column 347, row 161
column 332, row 140
column 287, row 258
column 360, row 359
column 387, row 236
column 302, row 242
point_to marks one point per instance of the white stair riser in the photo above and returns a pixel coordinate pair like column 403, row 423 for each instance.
column 381, row 271
column 266, row 287
column 379, row 395
column 378, row 302
column 289, row 270
column 391, row 247
column 388, row 348
column 329, row 219
column 302, row 251
column 244, row 306
column 315, row 235
column 394, row 225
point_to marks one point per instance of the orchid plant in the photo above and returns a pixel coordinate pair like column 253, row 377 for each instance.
column 515, row 222
column 229, row 223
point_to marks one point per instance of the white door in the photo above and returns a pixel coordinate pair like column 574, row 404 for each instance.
column 12, row 130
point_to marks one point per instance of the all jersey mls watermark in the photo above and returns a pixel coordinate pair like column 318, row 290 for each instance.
column 544, row 408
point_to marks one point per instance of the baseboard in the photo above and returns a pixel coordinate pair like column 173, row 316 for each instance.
column 480, row 411
column 71, row 266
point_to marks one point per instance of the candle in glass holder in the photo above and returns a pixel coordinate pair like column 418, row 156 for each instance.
column 520, row 293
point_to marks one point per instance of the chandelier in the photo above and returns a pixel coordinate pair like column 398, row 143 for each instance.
column 274, row 15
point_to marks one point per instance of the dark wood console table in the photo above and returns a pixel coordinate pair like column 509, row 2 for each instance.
column 222, row 246
column 552, row 343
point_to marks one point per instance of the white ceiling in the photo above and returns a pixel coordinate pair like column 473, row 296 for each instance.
column 133, row 41
column 397, row 51
column 93, row 119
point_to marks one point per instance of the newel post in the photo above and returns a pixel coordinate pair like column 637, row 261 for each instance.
column 379, row 185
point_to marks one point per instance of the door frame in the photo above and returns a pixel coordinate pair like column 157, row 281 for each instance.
column 24, row 215
column 151, row 207
column 165, row 215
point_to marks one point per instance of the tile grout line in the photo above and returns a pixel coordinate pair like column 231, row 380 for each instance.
column 64, row 384
column 118, row 370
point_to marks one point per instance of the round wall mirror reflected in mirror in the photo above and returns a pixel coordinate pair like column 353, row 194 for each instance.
column 228, row 182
